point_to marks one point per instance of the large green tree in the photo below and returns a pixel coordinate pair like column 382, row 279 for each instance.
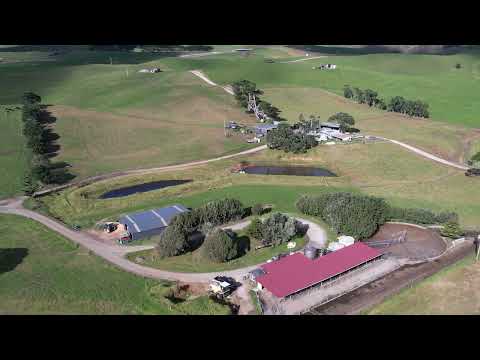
column 278, row 228
column 173, row 241
column 284, row 138
column 346, row 121
column 219, row 246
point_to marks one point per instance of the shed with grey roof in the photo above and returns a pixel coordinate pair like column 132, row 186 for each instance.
column 330, row 125
column 151, row 222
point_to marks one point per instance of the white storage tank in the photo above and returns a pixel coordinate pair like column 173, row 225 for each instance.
column 310, row 252
column 333, row 246
column 346, row 240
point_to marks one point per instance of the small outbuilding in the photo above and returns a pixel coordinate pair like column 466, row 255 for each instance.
column 330, row 125
column 152, row 222
column 263, row 129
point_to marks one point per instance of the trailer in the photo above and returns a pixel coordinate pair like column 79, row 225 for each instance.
column 221, row 287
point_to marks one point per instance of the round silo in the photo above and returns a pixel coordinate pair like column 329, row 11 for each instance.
column 310, row 252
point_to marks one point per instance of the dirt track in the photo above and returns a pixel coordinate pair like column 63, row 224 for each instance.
column 115, row 254
column 377, row 291
column 428, row 155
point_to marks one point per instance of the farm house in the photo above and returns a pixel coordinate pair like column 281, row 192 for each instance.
column 151, row 222
column 263, row 129
column 296, row 273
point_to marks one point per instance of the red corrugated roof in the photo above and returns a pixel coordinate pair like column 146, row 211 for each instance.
column 296, row 272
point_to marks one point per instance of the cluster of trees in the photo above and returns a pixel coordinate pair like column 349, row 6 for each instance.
column 175, row 239
column 286, row 139
column 397, row 104
column 346, row 121
column 241, row 90
column 313, row 123
column 475, row 160
column 420, row 216
column 37, row 141
column 351, row 214
column 275, row 230
column 361, row 215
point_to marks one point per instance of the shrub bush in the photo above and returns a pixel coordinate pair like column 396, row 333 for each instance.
column 173, row 242
column 189, row 221
column 257, row 209
column 219, row 246
column 476, row 157
column 220, row 212
column 420, row 216
column 313, row 205
column 445, row 217
column 451, row 230
column 255, row 229
column 278, row 228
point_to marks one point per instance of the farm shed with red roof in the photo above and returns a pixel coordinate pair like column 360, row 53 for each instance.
column 296, row 272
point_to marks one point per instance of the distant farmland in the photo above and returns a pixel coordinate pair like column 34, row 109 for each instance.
column 451, row 93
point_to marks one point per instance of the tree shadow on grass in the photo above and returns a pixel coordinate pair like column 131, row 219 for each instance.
column 244, row 244
column 60, row 172
column 11, row 258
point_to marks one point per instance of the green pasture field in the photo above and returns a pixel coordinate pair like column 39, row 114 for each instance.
column 442, row 139
column 108, row 121
column 450, row 92
column 43, row 273
column 12, row 153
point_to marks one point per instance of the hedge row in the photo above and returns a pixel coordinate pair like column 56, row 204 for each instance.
column 420, row 216
column 350, row 214
column 360, row 215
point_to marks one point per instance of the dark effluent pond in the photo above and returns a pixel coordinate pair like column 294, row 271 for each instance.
column 288, row 170
column 141, row 188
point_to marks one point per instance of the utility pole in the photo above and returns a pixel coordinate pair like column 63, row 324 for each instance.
column 111, row 61
column 224, row 128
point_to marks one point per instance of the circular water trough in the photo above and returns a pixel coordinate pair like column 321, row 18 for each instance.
column 421, row 244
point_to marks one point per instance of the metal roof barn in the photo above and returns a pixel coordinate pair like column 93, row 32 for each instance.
column 151, row 222
column 296, row 272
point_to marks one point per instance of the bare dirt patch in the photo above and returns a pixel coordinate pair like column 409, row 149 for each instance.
column 107, row 238
column 420, row 243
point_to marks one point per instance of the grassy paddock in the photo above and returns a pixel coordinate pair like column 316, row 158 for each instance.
column 43, row 273
column 12, row 153
column 432, row 78
column 443, row 139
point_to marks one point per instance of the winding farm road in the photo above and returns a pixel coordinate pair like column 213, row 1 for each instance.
column 202, row 76
column 427, row 155
column 115, row 254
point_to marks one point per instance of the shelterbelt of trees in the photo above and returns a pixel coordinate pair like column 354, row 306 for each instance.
column 396, row 104
column 40, row 146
